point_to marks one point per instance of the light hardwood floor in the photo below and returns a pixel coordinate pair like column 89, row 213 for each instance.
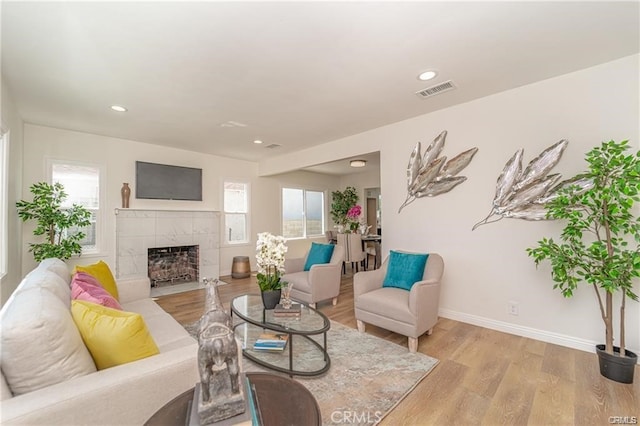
column 484, row 376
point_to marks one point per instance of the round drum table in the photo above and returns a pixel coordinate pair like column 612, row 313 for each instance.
column 282, row 401
column 240, row 268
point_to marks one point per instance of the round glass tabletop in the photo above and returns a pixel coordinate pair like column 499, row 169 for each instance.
column 249, row 307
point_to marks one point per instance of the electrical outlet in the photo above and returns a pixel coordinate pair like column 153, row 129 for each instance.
column 512, row 308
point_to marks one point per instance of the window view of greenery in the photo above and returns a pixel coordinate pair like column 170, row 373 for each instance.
column 302, row 213
column 236, row 210
column 82, row 185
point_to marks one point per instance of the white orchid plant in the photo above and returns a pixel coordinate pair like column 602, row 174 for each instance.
column 270, row 250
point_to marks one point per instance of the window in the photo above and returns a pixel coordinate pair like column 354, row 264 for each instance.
column 82, row 185
column 4, row 188
column 236, row 212
column 302, row 213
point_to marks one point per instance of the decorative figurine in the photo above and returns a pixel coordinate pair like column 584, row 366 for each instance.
column 221, row 394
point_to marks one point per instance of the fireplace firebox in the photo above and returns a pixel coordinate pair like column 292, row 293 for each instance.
column 173, row 265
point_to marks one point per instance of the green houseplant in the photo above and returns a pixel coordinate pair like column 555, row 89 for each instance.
column 270, row 250
column 600, row 245
column 341, row 202
column 54, row 222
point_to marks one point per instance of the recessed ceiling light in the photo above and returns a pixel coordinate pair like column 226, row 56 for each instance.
column 427, row 75
column 358, row 163
column 118, row 108
column 257, row 141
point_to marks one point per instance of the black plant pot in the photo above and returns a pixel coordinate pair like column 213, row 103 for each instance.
column 614, row 366
column 271, row 298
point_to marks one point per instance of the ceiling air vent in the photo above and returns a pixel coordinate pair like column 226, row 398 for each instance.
column 437, row 89
column 273, row 146
column 232, row 124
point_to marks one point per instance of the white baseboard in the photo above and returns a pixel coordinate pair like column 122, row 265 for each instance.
column 519, row 330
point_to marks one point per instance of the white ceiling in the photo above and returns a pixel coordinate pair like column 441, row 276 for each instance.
column 297, row 74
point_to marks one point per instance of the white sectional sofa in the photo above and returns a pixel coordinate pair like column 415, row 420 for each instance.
column 36, row 332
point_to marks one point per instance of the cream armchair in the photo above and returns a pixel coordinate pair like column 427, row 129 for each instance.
column 407, row 312
column 320, row 282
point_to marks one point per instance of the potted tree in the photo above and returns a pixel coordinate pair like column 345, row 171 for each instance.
column 599, row 245
column 56, row 223
column 341, row 203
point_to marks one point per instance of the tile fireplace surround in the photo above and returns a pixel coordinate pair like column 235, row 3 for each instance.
column 139, row 230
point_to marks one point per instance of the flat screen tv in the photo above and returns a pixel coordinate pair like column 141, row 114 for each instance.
column 165, row 182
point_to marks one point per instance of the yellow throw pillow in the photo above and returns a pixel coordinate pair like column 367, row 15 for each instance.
column 113, row 337
column 102, row 273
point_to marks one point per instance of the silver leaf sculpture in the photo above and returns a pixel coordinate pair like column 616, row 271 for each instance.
column 429, row 175
column 525, row 194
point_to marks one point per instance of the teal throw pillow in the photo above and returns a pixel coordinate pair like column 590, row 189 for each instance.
column 319, row 253
column 404, row 269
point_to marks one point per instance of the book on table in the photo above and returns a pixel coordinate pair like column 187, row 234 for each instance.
column 294, row 310
column 271, row 342
column 286, row 314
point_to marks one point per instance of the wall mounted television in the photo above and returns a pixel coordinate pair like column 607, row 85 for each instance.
column 166, row 182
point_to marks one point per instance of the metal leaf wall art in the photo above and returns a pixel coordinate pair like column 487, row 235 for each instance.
column 429, row 175
column 525, row 194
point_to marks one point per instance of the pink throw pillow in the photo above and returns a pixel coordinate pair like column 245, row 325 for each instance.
column 86, row 287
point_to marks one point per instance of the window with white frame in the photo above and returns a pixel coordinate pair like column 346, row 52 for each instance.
column 4, row 188
column 236, row 212
column 82, row 185
column 302, row 213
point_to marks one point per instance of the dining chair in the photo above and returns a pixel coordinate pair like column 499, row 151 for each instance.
column 330, row 236
column 354, row 253
column 372, row 249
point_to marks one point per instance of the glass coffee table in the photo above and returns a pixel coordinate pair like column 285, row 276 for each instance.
column 306, row 351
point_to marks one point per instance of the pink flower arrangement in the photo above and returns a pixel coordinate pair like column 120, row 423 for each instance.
column 354, row 212
column 352, row 217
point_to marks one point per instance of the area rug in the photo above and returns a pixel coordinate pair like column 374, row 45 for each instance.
column 367, row 379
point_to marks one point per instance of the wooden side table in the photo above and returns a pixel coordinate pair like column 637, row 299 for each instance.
column 240, row 267
column 282, row 401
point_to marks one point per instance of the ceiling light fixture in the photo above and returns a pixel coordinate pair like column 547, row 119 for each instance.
column 118, row 108
column 358, row 163
column 257, row 142
column 427, row 75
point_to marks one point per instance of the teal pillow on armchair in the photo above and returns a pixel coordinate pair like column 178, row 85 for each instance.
column 404, row 269
column 318, row 254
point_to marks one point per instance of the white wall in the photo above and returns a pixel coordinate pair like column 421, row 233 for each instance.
column 118, row 157
column 361, row 181
column 12, row 121
column 487, row 268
